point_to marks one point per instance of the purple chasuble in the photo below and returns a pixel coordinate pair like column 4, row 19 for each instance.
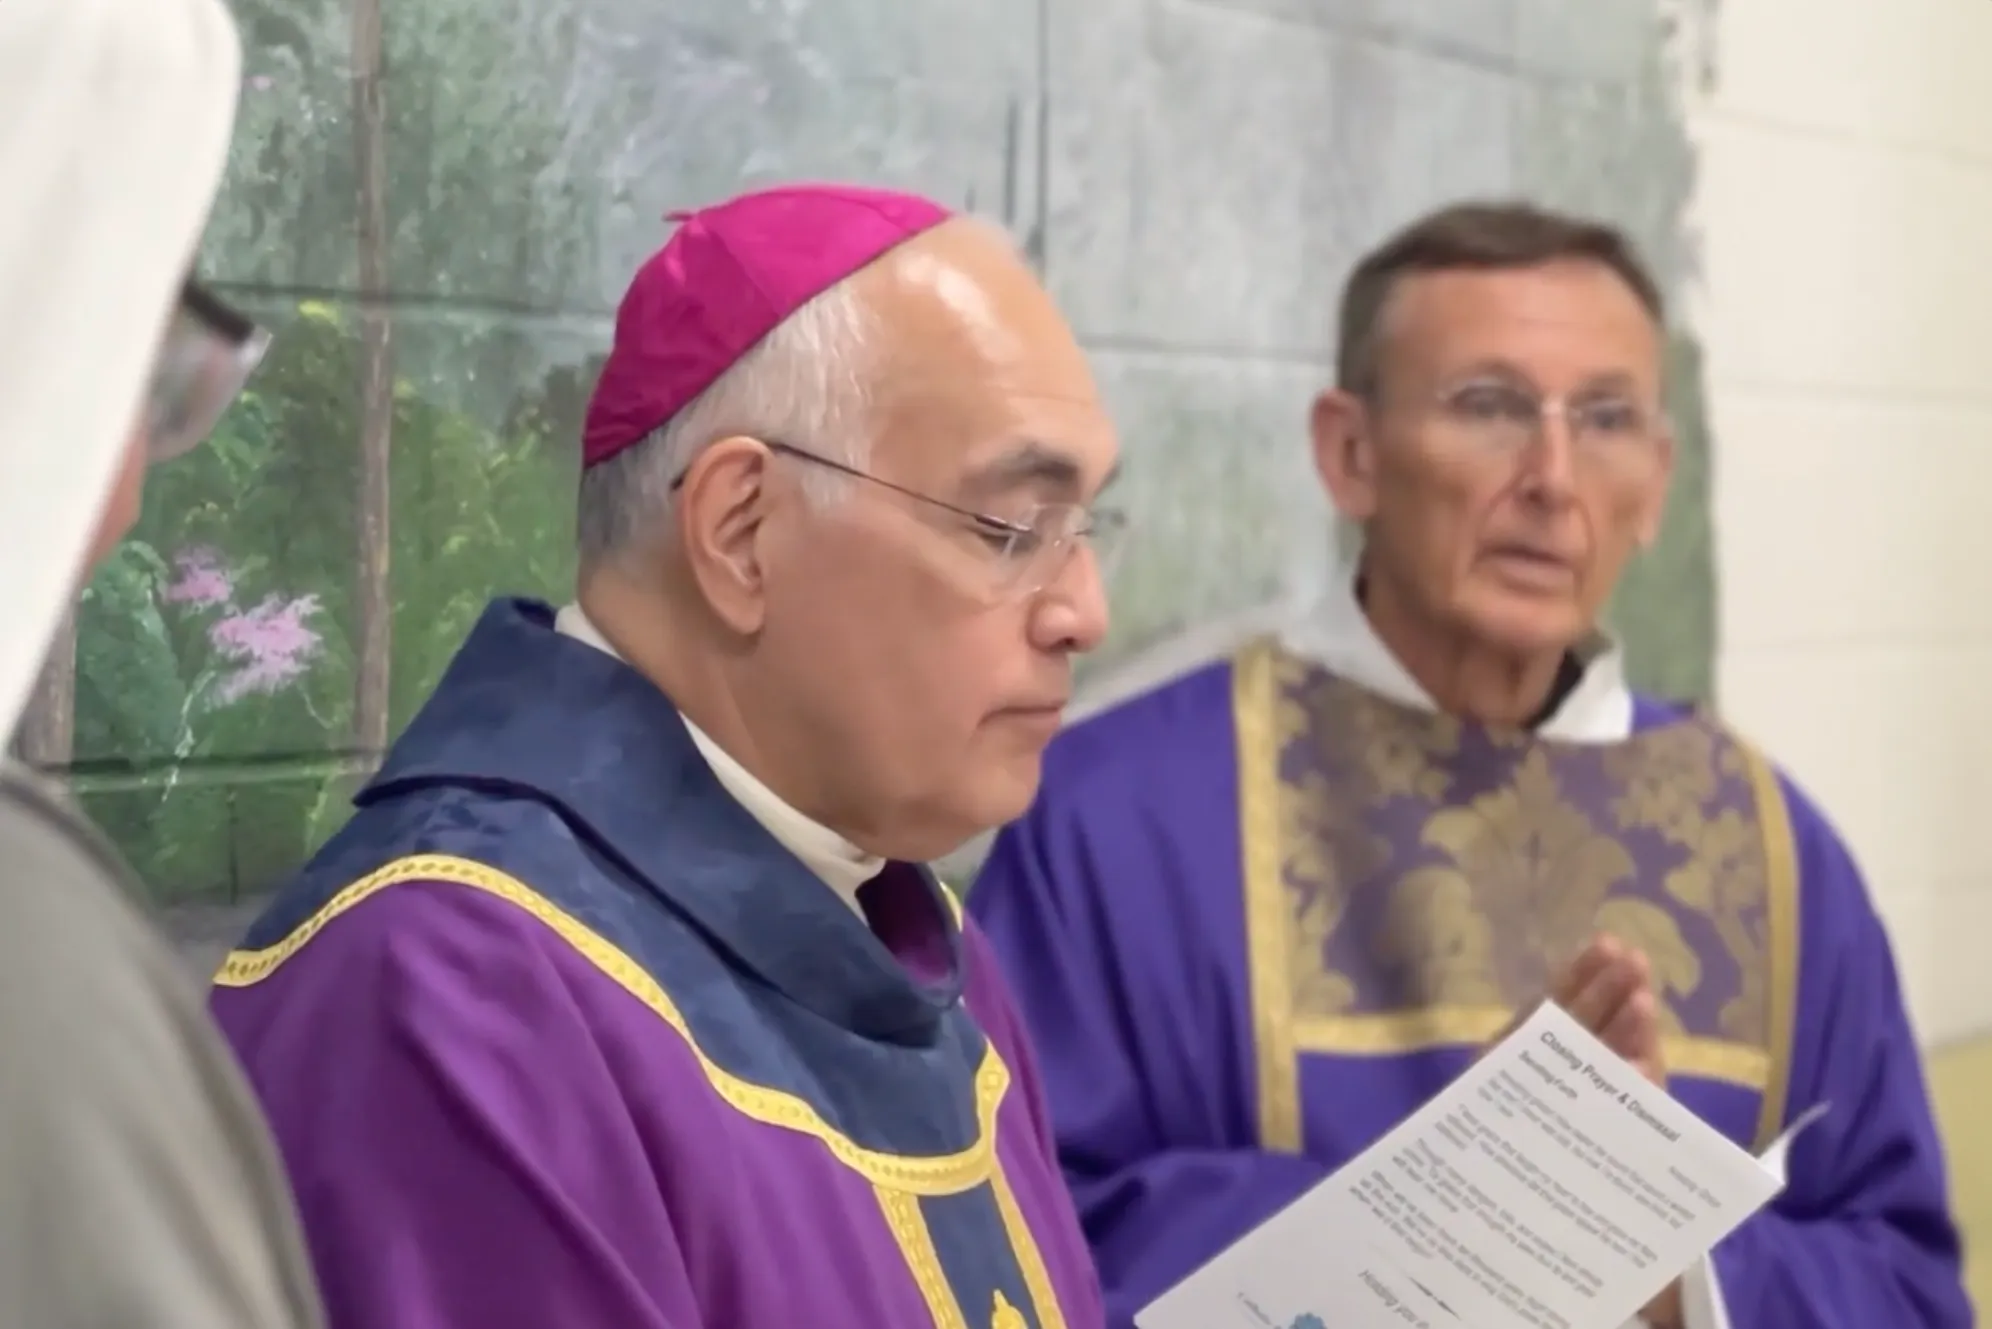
column 1260, row 915
column 554, row 1034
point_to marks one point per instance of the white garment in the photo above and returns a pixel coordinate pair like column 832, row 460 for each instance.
column 118, row 114
column 1337, row 635
column 842, row 865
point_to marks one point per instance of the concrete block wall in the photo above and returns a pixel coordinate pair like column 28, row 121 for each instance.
column 1843, row 210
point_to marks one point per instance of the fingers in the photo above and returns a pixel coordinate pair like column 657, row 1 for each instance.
column 1608, row 989
column 1601, row 981
column 1633, row 1031
column 1594, row 959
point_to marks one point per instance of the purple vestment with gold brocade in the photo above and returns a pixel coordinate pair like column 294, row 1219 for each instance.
column 1261, row 914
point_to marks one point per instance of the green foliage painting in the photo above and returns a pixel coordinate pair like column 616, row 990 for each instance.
column 217, row 653
column 435, row 204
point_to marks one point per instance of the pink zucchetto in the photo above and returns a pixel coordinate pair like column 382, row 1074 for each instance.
column 727, row 278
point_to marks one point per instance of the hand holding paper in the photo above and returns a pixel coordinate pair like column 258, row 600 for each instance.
column 1608, row 989
column 1552, row 1186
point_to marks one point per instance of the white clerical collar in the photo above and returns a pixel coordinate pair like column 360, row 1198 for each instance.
column 1337, row 635
column 842, row 865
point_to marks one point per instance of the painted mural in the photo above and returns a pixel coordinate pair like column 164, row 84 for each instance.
column 436, row 203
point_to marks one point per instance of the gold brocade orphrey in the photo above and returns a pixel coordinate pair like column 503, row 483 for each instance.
column 1411, row 881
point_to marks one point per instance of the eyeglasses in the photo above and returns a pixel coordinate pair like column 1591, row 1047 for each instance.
column 1024, row 555
column 209, row 352
column 1500, row 417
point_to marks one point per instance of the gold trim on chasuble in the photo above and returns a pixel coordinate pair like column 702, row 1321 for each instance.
column 898, row 1180
column 1403, row 892
column 1037, row 1279
column 909, row 1228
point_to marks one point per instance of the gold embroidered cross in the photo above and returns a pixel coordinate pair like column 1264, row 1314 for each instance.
column 1006, row 1316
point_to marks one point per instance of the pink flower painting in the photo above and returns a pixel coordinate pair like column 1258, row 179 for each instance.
column 270, row 646
column 199, row 579
column 260, row 650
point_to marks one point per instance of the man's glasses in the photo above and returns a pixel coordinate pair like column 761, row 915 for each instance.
column 1505, row 418
column 1024, row 555
column 208, row 354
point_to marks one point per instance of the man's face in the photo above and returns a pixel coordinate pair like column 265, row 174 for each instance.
column 1513, row 453
column 941, row 663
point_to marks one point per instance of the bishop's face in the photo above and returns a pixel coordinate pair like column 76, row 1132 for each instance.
column 1513, row 453
column 939, row 601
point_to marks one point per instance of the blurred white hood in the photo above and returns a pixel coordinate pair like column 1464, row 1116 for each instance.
column 114, row 124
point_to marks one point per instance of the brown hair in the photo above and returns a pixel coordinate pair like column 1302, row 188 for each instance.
column 1483, row 236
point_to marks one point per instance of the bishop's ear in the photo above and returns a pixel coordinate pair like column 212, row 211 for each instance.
column 1345, row 452
column 722, row 506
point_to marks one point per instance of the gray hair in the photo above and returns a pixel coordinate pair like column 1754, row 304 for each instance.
column 806, row 384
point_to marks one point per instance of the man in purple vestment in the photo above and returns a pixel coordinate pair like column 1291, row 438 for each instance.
column 1262, row 911
column 622, row 1000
